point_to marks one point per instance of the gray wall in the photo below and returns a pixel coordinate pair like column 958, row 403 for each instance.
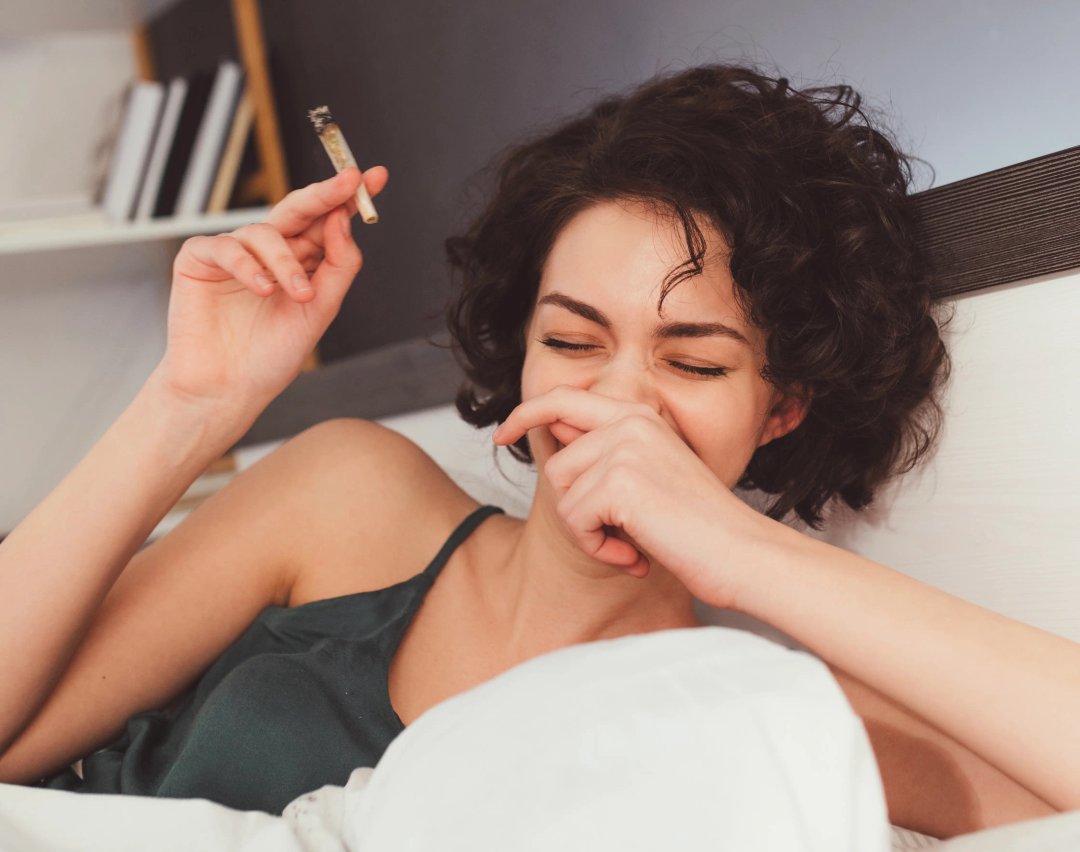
column 433, row 89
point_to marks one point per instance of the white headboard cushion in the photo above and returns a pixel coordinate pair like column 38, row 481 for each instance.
column 992, row 518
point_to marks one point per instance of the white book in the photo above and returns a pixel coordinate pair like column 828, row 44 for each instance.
column 129, row 157
column 159, row 155
column 199, row 177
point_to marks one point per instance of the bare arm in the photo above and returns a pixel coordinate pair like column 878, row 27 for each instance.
column 237, row 335
column 1006, row 691
column 932, row 783
column 59, row 563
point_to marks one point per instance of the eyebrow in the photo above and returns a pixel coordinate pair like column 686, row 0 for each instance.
column 664, row 330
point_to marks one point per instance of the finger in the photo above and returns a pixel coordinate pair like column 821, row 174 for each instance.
column 220, row 258
column 564, row 433
column 564, row 467
column 301, row 208
column 273, row 251
column 582, row 479
column 582, row 510
column 308, row 253
column 375, row 179
column 343, row 260
column 577, row 408
column 638, row 568
column 297, row 210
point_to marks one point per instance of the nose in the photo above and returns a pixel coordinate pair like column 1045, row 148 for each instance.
column 627, row 380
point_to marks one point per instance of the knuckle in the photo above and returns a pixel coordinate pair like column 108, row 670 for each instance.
column 254, row 230
column 566, row 514
column 215, row 243
column 234, row 249
column 222, row 246
column 353, row 258
column 264, row 231
column 621, row 455
column 637, row 426
column 191, row 246
column 347, row 261
column 292, row 197
column 620, row 478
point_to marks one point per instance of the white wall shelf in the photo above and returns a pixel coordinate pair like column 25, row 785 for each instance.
column 92, row 230
column 45, row 17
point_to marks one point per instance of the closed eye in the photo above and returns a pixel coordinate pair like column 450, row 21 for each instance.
column 699, row 371
column 555, row 343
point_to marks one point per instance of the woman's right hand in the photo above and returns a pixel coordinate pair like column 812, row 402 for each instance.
column 240, row 323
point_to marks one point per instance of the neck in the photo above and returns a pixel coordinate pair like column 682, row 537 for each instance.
column 548, row 594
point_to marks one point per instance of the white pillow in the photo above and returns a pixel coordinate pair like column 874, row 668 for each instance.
column 699, row 739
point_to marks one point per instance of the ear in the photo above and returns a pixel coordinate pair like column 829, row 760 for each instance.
column 786, row 414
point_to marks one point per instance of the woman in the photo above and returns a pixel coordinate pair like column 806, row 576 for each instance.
column 711, row 281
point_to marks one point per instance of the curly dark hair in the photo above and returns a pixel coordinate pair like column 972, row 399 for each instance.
column 814, row 203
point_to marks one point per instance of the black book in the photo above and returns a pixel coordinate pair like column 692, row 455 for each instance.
column 187, row 128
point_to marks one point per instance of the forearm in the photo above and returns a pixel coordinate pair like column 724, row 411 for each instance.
column 58, row 564
column 934, row 784
column 1005, row 690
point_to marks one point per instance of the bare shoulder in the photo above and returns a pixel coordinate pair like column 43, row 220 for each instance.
column 376, row 508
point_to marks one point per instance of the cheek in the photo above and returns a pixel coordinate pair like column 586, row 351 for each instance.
column 723, row 439
column 534, row 383
column 530, row 374
column 540, row 374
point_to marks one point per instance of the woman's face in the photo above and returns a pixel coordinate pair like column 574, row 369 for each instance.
column 595, row 326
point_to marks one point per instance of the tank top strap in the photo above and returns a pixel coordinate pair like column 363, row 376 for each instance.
column 458, row 536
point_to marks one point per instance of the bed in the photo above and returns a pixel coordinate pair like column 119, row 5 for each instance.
column 991, row 518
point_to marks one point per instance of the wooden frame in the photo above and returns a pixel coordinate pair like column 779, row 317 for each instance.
column 271, row 182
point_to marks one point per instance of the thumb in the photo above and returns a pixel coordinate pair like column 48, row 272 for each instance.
column 564, row 433
column 341, row 262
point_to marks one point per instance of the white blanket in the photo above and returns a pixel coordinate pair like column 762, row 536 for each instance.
column 701, row 739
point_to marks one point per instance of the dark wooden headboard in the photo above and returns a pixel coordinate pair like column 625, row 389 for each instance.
column 1006, row 225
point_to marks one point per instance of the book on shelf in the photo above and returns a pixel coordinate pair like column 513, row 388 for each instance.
column 210, row 141
column 180, row 148
column 183, row 143
column 232, row 155
column 175, row 95
column 128, row 162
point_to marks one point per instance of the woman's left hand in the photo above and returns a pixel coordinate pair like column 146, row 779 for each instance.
column 630, row 490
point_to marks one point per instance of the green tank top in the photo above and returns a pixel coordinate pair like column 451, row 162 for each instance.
column 298, row 701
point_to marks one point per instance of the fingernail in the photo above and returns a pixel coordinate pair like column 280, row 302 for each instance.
column 263, row 283
column 301, row 283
